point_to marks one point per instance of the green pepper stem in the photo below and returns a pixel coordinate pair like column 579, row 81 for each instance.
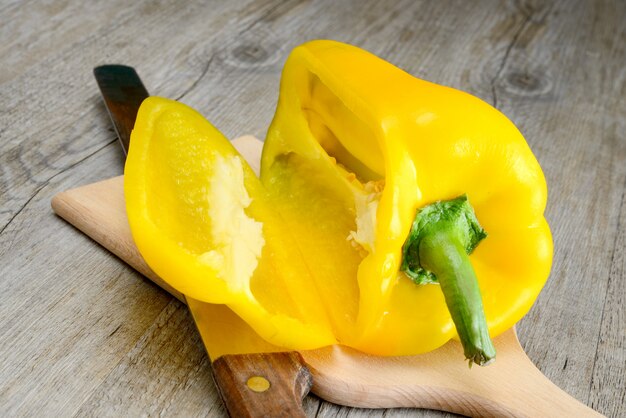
column 441, row 252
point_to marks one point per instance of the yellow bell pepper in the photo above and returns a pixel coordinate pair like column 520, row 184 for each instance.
column 203, row 222
column 375, row 187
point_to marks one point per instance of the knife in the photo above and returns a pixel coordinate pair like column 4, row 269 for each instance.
column 253, row 377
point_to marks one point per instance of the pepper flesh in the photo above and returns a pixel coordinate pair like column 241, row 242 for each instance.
column 203, row 222
column 355, row 148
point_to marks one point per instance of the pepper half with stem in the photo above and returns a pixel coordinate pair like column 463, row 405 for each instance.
column 355, row 148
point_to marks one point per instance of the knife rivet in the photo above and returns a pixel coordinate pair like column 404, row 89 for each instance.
column 258, row 384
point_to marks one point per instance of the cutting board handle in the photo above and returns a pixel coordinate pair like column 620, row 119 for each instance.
column 510, row 387
column 262, row 385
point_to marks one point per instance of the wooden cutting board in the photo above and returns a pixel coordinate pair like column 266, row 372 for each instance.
column 512, row 386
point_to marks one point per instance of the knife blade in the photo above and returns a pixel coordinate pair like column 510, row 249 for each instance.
column 254, row 378
column 123, row 92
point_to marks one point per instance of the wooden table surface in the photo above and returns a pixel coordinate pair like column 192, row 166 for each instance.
column 83, row 334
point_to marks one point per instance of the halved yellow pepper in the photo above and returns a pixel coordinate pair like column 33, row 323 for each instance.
column 348, row 122
column 312, row 254
column 203, row 222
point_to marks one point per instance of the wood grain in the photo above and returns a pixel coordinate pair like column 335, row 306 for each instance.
column 82, row 218
column 555, row 68
column 511, row 388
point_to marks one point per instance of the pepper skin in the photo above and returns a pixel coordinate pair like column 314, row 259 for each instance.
column 348, row 122
column 356, row 148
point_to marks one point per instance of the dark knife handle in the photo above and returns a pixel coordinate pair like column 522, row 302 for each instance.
column 263, row 385
column 123, row 93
